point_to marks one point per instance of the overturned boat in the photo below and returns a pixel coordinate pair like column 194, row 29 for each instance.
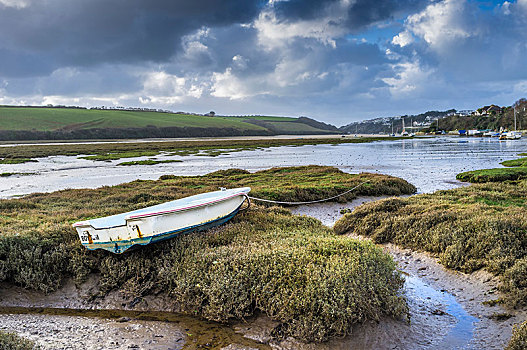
column 117, row 233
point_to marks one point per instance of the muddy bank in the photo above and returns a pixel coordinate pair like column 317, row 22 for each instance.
column 71, row 332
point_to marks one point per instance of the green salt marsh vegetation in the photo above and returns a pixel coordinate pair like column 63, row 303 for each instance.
column 516, row 170
column 521, row 162
column 149, row 162
column 16, row 160
column 493, row 175
column 295, row 270
column 105, row 151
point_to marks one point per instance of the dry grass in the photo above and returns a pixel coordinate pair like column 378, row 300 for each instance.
column 11, row 341
column 519, row 337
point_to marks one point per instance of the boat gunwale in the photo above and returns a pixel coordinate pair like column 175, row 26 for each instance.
column 131, row 217
column 166, row 212
column 160, row 236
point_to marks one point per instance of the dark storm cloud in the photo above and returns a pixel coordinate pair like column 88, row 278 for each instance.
column 20, row 64
column 361, row 13
column 90, row 32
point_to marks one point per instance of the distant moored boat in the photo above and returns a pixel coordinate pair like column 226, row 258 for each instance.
column 117, row 233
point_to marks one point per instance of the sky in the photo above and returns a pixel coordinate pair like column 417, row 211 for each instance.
column 337, row 61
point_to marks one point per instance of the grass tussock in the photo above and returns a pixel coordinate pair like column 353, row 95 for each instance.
column 11, row 341
column 294, row 269
column 493, row 175
column 16, row 160
column 518, row 340
column 521, row 162
column 480, row 226
column 149, row 162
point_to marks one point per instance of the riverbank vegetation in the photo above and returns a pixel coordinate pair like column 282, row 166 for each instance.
column 149, row 162
column 11, row 341
column 468, row 228
column 493, row 175
column 292, row 268
column 521, row 162
column 519, row 337
column 114, row 150
column 516, row 170
column 16, row 160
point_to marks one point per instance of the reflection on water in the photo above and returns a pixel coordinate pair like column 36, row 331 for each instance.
column 430, row 163
column 460, row 335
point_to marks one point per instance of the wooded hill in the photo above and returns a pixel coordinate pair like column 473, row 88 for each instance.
column 384, row 125
column 493, row 121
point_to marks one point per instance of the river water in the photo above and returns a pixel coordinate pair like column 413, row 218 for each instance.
column 428, row 163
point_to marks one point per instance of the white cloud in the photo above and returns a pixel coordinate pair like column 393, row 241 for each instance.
column 228, row 85
column 19, row 4
column 161, row 87
column 411, row 78
column 403, row 39
column 439, row 24
column 240, row 62
column 275, row 33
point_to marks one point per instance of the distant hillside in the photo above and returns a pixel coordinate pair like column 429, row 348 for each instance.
column 503, row 117
column 384, row 125
column 42, row 123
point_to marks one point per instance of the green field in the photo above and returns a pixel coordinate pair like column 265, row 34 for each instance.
column 262, row 117
column 43, row 123
column 48, row 119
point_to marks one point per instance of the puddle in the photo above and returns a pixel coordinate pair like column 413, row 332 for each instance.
column 461, row 334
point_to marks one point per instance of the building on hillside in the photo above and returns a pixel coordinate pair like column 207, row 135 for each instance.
column 488, row 110
column 464, row 112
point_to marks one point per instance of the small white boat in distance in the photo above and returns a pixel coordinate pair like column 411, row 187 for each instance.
column 514, row 135
column 117, row 233
column 511, row 135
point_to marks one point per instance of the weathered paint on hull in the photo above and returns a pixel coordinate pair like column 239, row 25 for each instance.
column 121, row 246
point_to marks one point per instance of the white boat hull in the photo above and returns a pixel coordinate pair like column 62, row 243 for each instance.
column 123, row 231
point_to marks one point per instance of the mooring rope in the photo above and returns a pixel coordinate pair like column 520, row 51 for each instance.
column 310, row 202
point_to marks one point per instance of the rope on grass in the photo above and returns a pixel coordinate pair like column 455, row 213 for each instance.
column 310, row 202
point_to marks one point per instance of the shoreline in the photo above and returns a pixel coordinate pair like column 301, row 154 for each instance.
column 192, row 139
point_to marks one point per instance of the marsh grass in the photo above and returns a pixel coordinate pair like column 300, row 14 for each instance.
column 108, row 156
column 518, row 340
column 16, row 160
column 294, row 269
column 113, row 151
column 493, row 175
column 468, row 228
column 150, row 162
column 11, row 341
column 521, row 162
column 14, row 174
